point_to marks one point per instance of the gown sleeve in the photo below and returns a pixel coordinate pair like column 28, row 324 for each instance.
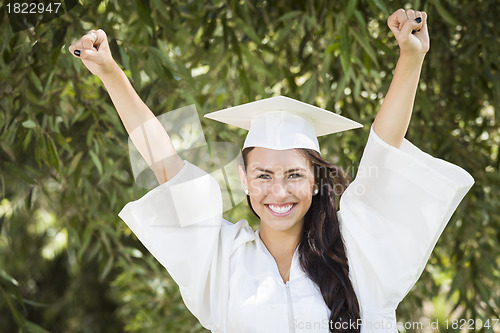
column 180, row 222
column 391, row 217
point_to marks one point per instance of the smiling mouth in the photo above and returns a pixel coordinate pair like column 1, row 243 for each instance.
column 281, row 210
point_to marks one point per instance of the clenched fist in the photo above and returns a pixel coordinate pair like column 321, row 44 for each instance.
column 93, row 49
column 410, row 29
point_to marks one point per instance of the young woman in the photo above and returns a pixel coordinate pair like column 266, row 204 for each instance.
column 310, row 267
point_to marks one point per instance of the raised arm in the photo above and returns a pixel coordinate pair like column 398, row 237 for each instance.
column 393, row 118
column 145, row 131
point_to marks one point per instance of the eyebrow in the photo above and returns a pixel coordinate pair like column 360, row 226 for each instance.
column 272, row 173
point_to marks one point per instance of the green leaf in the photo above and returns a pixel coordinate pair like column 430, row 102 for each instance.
column 332, row 47
column 351, row 5
column 35, row 304
column 380, row 5
column 365, row 44
column 290, row 16
column 34, row 328
column 284, row 32
column 7, row 278
column 35, row 80
column 87, row 239
column 96, row 161
column 74, row 162
column 29, row 124
column 53, row 156
column 49, row 82
column 27, row 140
column 360, row 19
column 255, row 62
column 106, row 269
column 248, row 30
column 345, row 50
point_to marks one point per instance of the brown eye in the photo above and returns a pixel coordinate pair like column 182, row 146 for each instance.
column 263, row 176
column 295, row 175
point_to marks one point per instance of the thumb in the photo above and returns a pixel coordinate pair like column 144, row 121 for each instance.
column 91, row 55
column 411, row 25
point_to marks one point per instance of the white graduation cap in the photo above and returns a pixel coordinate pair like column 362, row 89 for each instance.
column 283, row 123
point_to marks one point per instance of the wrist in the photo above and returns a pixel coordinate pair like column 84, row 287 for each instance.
column 111, row 72
column 409, row 57
column 410, row 63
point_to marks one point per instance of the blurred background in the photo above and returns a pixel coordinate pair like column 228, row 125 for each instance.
column 69, row 264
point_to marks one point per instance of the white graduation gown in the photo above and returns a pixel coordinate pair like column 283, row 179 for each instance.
column 391, row 217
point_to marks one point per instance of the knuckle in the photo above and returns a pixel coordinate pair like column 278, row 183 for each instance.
column 86, row 41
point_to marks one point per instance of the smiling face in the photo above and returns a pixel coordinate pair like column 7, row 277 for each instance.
column 280, row 185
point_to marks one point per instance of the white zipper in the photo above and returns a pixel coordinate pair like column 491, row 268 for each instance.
column 291, row 323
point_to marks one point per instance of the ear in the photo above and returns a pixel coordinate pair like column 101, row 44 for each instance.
column 243, row 176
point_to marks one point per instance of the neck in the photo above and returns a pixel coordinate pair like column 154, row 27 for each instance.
column 281, row 244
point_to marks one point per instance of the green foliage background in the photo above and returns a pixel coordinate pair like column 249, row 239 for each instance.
column 69, row 264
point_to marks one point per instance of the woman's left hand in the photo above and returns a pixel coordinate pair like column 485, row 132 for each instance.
column 412, row 36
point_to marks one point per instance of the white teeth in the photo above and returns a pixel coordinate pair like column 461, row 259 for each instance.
column 280, row 209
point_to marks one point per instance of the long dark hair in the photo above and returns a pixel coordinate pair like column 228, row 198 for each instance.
column 322, row 253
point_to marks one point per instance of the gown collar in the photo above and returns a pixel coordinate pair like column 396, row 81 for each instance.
column 295, row 269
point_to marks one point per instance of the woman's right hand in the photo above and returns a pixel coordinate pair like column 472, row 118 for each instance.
column 93, row 49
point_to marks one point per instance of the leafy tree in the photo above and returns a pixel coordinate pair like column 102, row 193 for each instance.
column 69, row 264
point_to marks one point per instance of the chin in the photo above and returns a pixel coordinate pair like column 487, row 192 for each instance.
column 280, row 224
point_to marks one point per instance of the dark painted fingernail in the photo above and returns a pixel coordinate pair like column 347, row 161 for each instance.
column 77, row 53
column 418, row 19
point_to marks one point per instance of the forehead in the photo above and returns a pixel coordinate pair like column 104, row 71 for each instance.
column 266, row 158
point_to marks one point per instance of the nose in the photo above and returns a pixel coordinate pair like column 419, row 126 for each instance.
column 279, row 189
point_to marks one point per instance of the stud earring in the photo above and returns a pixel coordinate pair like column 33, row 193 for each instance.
column 245, row 190
column 315, row 191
